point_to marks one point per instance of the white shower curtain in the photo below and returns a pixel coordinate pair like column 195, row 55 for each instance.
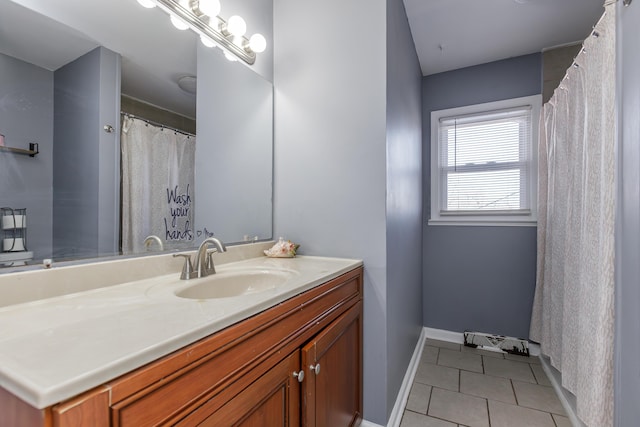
column 157, row 186
column 573, row 312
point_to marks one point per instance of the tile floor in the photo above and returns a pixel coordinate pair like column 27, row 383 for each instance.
column 462, row 386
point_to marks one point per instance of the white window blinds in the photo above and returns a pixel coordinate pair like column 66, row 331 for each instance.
column 485, row 163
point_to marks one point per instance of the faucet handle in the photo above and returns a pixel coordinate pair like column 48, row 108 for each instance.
column 209, row 267
column 187, row 268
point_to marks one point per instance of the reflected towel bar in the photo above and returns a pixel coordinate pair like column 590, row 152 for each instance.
column 31, row 152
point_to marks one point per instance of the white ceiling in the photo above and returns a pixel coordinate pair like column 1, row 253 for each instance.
column 452, row 34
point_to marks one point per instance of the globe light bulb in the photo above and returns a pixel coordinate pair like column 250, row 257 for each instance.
column 207, row 41
column 257, row 43
column 236, row 26
column 209, row 7
column 178, row 23
column 149, row 4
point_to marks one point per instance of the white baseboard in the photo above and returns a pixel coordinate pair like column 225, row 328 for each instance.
column 366, row 423
column 405, row 388
column 444, row 335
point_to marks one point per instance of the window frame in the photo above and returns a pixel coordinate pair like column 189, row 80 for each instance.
column 486, row 218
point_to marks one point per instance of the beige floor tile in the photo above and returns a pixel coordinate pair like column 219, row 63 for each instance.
column 541, row 376
column 508, row 369
column 538, row 397
column 411, row 419
column 486, row 386
column 504, row 415
column 561, row 421
column 419, row 398
column 429, row 354
column 525, row 359
column 438, row 376
column 458, row 408
column 460, row 360
column 482, row 352
column 443, row 344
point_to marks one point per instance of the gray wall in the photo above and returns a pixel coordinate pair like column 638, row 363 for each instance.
column 26, row 115
column 404, row 198
column 330, row 155
column 478, row 278
column 347, row 165
column 627, row 345
column 86, row 211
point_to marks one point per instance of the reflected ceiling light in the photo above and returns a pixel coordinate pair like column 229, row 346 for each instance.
column 188, row 84
column 201, row 17
column 149, row 4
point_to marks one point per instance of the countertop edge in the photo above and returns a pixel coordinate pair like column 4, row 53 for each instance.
column 43, row 398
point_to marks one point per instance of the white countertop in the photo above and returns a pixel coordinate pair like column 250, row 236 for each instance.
column 54, row 349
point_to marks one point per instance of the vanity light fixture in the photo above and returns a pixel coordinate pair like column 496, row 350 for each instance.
column 236, row 26
column 202, row 17
column 209, row 7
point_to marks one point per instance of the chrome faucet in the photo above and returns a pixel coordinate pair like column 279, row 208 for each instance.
column 204, row 262
column 153, row 238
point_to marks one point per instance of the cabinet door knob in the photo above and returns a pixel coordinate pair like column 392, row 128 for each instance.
column 315, row 368
column 299, row 376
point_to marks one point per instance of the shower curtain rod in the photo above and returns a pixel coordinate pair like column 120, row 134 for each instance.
column 151, row 122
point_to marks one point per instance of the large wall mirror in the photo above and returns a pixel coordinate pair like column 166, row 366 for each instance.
column 108, row 139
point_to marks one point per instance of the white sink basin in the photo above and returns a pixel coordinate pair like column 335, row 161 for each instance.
column 235, row 283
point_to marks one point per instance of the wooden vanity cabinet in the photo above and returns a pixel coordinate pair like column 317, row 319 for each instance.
column 244, row 375
column 273, row 399
column 333, row 389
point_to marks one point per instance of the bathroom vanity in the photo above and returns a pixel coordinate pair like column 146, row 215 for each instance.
column 283, row 355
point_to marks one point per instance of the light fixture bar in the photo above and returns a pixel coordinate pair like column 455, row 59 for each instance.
column 201, row 26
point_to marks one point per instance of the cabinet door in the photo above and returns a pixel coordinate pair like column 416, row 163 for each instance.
column 273, row 400
column 332, row 387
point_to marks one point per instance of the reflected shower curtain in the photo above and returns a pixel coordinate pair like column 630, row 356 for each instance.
column 573, row 312
column 157, row 186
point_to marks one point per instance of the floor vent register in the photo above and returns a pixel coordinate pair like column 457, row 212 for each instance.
column 510, row 345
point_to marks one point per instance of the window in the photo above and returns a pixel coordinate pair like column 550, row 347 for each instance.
column 483, row 163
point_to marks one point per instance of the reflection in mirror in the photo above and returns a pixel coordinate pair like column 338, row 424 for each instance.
column 67, row 73
column 233, row 180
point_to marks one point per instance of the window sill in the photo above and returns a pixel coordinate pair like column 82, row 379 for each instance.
column 484, row 222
